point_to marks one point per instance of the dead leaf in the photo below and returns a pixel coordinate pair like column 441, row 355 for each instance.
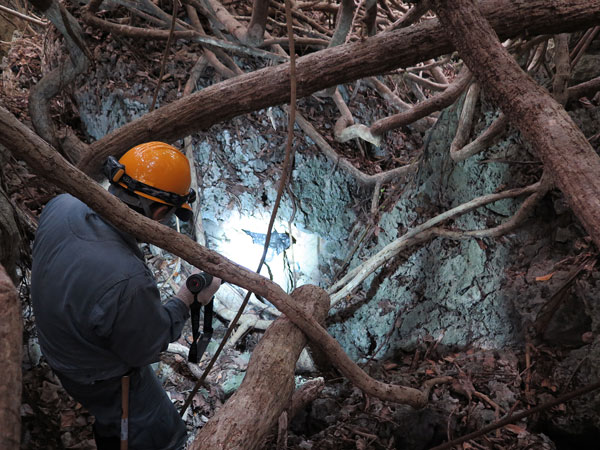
column 545, row 277
column 67, row 419
column 449, row 359
column 518, row 430
column 548, row 385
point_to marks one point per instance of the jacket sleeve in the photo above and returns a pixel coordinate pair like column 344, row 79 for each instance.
column 143, row 326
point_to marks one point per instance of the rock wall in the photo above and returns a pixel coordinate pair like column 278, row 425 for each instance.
column 462, row 293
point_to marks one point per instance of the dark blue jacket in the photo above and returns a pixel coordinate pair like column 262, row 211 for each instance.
column 96, row 304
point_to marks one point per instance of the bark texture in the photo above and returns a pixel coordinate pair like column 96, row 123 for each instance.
column 543, row 122
column 11, row 330
column 256, row 28
column 343, row 63
column 250, row 414
column 10, row 238
column 59, row 79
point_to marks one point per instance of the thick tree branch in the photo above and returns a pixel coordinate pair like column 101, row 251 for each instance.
column 561, row 146
column 246, row 418
column 347, row 62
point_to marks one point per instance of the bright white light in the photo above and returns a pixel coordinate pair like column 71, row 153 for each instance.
column 299, row 262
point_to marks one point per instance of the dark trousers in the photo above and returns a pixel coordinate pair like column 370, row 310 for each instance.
column 154, row 423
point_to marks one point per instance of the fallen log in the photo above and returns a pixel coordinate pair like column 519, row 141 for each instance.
column 252, row 412
column 11, row 331
column 558, row 142
column 343, row 63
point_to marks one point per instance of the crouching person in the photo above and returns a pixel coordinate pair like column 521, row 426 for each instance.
column 97, row 307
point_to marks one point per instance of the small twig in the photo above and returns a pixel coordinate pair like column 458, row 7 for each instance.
column 299, row 40
column 515, row 418
column 414, row 14
column 356, row 11
column 489, row 401
column 313, row 23
column 166, row 53
column 23, row 16
column 428, row 66
column 425, row 82
column 586, row 41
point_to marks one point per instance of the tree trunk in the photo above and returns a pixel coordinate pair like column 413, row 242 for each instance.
column 250, row 414
column 343, row 63
column 558, row 142
column 11, row 331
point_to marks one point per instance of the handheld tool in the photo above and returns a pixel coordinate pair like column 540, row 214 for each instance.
column 195, row 283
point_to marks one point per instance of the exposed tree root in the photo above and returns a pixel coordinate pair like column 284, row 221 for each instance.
column 465, row 121
column 57, row 80
column 416, row 235
column 425, row 108
column 330, row 153
column 486, row 139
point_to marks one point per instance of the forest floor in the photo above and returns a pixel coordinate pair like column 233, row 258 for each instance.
column 488, row 384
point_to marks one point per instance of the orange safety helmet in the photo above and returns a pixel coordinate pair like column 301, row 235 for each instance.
column 156, row 171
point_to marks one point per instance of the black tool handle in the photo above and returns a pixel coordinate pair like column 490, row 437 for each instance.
column 198, row 281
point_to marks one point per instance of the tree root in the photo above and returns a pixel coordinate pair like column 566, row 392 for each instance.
column 425, row 82
column 425, row 108
column 330, row 153
column 465, row 121
column 486, row 139
column 417, row 235
column 55, row 81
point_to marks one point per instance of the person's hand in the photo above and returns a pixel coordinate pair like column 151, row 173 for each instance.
column 204, row 296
